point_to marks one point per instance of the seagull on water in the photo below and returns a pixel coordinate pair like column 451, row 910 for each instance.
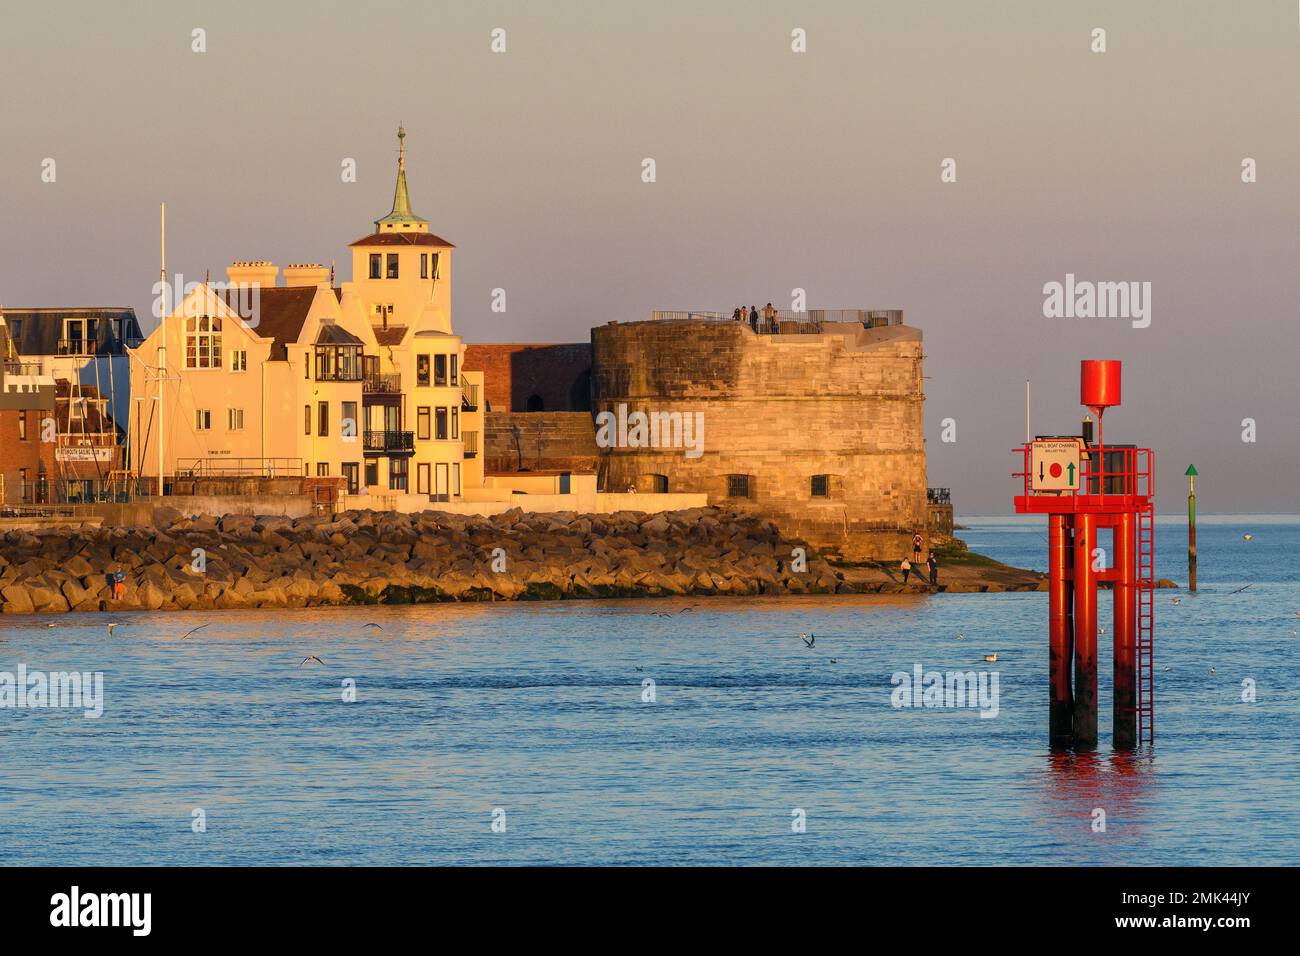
column 1168, row 668
column 1213, row 671
column 1176, row 600
column 1247, row 536
column 991, row 658
column 307, row 660
column 808, row 640
column 961, row 637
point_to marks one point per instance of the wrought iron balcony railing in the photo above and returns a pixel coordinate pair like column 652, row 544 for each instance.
column 387, row 442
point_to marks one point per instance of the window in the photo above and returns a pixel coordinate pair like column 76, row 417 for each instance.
column 659, row 484
column 323, row 419
column 535, row 403
column 455, row 478
column 440, row 423
column 203, row 341
column 322, row 469
column 738, row 486
column 202, row 419
column 235, row 419
column 455, row 360
column 397, row 474
column 352, row 472
column 424, row 265
column 433, row 263
column 422, row 370
column 455, row 422
column 422, row 423
column 239, row 360
column 392, row 265
column 22, row 426
column 16, row 331
column 372, row 473
column 338, row 363
column 440, row 370
column 375, row 265
column 349, row 425
column 306, row 419
column 821, row 486
column 306, row 469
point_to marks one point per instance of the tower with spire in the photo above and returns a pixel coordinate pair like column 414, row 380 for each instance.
column 401, row 218
column 401, row 272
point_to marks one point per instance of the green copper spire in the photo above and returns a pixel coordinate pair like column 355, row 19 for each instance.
column 401, row 216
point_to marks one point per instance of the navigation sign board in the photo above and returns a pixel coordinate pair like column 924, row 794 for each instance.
column 1055, row 464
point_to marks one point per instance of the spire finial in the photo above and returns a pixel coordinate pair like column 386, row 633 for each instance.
column 401, row 146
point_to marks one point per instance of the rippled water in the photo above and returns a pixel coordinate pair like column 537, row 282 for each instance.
column 537, row 709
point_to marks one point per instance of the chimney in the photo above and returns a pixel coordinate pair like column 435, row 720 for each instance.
column 306, row 274
column 259, row 272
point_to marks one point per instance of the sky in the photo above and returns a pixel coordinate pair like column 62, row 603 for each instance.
column 775, row 170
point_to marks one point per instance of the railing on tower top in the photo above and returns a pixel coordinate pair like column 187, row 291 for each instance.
column 1111, row 476
column 786, row 321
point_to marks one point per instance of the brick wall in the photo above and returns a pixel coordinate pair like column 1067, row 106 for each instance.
column 540, row 441
column 16, row 454
column 557, row 375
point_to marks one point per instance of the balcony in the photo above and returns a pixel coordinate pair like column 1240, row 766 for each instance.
column 389, row 443
column 388, row 384
column 77, row 346
column 469, row 397
column 470, row 440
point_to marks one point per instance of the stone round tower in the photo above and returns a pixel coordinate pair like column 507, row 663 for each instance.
column 822, row 432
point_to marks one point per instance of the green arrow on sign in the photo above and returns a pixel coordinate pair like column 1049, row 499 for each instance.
column 1191, row 471
column 1070, row 470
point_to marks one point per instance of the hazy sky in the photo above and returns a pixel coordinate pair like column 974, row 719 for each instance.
column 775, row 170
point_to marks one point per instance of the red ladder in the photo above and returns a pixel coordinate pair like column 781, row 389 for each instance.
column 1146, row 674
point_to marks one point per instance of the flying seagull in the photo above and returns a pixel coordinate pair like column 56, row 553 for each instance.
column 192, row 630
column 308, row 660
column 809, row 640
column 110, row 628
column 1239, row 590
column 371, row 625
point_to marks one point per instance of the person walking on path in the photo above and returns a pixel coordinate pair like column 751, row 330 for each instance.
column 907, row 569
column 753, row 317
column 934, row 571
column 769, row 318
column 916, row 548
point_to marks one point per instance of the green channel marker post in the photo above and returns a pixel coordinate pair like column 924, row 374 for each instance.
column 1191, row 526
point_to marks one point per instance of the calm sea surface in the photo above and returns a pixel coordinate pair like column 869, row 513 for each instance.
column 537, row 709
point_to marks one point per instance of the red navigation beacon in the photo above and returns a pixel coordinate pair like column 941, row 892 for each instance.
column 1084, row 489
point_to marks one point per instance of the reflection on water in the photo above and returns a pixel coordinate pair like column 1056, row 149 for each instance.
column 540, row 709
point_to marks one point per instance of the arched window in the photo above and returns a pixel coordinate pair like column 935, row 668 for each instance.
column 535, row 403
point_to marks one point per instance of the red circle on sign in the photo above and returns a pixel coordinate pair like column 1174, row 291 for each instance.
column 1055, row 470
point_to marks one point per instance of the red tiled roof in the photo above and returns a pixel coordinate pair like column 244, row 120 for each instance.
column 392, row 335
column 402, row 239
